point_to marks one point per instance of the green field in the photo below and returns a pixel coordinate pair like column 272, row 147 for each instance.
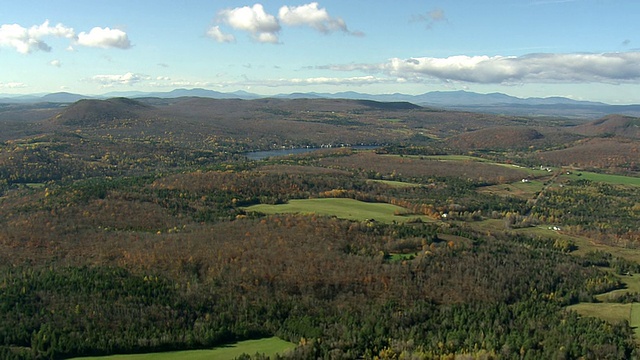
column 269, row 347
column 519, row 189
column 606, row 178
column 632, row 285
column 586, row 245
column 634, row 319
column 343, row 208
column 396, row 184
column 612, row 312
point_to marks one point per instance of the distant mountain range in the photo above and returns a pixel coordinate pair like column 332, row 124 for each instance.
column 496, row 103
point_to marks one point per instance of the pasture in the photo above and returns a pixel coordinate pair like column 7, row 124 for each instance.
column 269, row 347
column 632, row 285
column 605, row 178
column 611, row 312
column 523, row 190
column 395, row 184
column 342, row 208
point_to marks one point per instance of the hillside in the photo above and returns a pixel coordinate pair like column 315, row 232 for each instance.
column 510, row 137
column 89, row 112
column 612, row 125
column 201, row 127
column 493, row 103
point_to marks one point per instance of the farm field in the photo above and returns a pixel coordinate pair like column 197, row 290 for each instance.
column 606, row 178
column 632, row 285
column 523, row 190
column 397, row 184
column 611, row 312
column 269, row 347
column 342, row 208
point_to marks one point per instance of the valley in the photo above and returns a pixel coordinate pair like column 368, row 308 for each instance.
column 141, row 225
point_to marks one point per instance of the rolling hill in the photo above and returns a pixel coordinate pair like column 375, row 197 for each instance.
column 493, row 103
column 612, row 125
column 94, row 112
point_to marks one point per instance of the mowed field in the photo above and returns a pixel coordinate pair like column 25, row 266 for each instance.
column 523, row 190
column 606, row 178
column 611, row 312
column 396, row 184
column 269, row 347
column 342, row 208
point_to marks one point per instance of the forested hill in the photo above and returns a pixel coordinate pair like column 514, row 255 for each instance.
column 612, row 125
column 97, row 112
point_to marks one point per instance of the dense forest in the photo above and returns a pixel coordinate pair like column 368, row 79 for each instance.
column 127, row 227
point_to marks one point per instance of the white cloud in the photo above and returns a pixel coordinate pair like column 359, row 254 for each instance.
column 217, row 34
column 12, row 85
column 339, row 81
column 104, row 38
column 311, row 15
column 266, row 37
column 191, row 84
column 124, row 79
column 262, row 26
column 265, row 27
column 357, row 80
column 55, row 63
column 28, row 40
column 536, row 68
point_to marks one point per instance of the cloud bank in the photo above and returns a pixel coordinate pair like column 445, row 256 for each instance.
column 119, row 79
column 537, row 68
column 12, row 85
column 28, row 40
column 265, row 28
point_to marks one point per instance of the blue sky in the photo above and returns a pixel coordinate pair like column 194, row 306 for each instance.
column 582, row 49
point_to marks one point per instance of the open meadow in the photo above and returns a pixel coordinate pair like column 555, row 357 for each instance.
column 605, row 178
column 342, row 208
column 267, row 347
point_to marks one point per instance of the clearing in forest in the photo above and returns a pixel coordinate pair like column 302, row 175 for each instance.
column 612, row 312
column 269, row 347
column 605, row 178
column 343, row 208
